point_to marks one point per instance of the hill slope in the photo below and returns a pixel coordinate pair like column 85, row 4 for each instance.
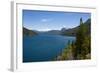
column 72, row 31
column 27, row 32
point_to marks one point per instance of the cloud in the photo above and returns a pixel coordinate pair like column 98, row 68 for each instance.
column 45, row 20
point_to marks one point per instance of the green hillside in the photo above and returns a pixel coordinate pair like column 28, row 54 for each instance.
column 73, row 31
column 27, row 32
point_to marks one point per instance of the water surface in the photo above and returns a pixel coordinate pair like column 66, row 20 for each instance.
column 44, row 47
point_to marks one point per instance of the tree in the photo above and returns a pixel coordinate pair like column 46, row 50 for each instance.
column 74, row 52
column 80, row 41
column 79, row 49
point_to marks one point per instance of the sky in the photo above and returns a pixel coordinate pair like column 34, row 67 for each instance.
column 52, row 20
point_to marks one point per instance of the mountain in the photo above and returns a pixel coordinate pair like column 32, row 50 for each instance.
column 70, row 32
column 53, row 32
column 73, row 31
column 27, row 32
column 63, row 31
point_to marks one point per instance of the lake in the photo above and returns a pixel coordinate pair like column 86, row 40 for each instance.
column 43, row 47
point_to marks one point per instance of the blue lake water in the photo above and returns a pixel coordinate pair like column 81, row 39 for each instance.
column 44, row 47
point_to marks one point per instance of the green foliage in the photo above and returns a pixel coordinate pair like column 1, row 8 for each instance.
column 82, row 42
column 79, row 49
column 27, row 32
column 67, row 53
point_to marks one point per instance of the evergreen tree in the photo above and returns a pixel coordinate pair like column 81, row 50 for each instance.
column 74, row 49
column 79, row 49
column 80, row 37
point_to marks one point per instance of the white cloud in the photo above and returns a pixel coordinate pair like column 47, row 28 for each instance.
column 45, row 20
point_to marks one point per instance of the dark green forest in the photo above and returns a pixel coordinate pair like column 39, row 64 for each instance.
column 27, row 32
column 81, row 48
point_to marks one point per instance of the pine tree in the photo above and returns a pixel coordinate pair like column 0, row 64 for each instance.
column 80, row 37
column 81, row 48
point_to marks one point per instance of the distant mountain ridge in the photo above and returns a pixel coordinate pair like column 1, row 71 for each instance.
column 63, row 31
column 73, row 31
column 53, row 32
